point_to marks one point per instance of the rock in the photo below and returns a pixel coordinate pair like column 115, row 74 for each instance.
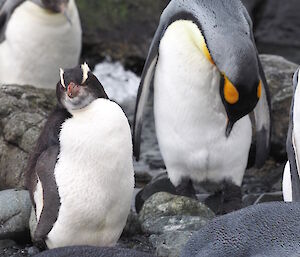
column 170, row 244
column 7, row 243
column 258, row 181
column 160, row 183
column 269, row 197
column 279, row 73
column 133, row 225
column 276, row 27
column 15, row 209
column 23, row 112
column 164, row 212
column 121, row 29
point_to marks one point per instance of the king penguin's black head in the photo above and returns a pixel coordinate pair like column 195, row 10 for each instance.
column 78, row 87
column 240, row 88
column 56, row 6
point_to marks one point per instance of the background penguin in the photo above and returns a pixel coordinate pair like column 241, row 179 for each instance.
column 207, row 79
column 291, row 182
column 36, row 38
column 268, row 230
column 80, row 175
column 88, row 251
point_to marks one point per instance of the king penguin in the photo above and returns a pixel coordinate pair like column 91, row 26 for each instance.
column 80, row 175
column 207, row 79
column 291, row 182
column 36, row 38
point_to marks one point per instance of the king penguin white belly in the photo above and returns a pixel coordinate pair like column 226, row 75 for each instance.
column 189, row 116
column 37, row 43
column 94, row 176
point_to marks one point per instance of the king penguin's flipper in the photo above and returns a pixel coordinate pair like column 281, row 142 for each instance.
column 292, row 147
column 51, row 200
column 6, row 11
column 262, row 112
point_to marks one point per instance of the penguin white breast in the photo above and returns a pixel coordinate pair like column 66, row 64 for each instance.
column 189, row 115
column 37, row 43
column 94, row 175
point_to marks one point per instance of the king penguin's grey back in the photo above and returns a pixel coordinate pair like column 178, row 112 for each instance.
column 271, row 229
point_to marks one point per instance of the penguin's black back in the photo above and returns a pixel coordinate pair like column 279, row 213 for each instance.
column 90, row 251
column 271, row 229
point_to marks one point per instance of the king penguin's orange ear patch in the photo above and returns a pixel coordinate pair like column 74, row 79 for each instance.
column 231, row 94
column 259, row 90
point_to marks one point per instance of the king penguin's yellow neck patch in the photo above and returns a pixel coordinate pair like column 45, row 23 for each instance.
column 231, row 94
column 197, row 37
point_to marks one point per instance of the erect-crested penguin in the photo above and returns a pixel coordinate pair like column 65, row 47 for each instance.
column 291, row 181
column 80, row 175
column 207, row 79
column 36, row 38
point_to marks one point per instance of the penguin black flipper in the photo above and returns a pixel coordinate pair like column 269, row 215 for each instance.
column 262, row 111
column 51, row 200
column 291, row 147
column 6, row 11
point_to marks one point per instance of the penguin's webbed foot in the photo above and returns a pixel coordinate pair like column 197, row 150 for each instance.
column 226, row 200
column 186, row 188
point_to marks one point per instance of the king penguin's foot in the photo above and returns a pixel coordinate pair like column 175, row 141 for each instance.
column 159, row 184
column 186, row 188
column 228, row 199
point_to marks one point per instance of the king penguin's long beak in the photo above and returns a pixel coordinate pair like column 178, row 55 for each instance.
column 229, row 128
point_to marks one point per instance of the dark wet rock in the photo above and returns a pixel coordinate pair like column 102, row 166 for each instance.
column 269, row 197
column 7, row 243
column 90, row 251
column 170, row 244
column 133, row 225
column 279, row 73
column 276, row 27
column 120, row 29
column 23, row 112
column 164, row 212
column 258, row 181
column 15, row 209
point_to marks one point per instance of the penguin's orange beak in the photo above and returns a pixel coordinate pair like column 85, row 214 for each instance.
column 73, row 90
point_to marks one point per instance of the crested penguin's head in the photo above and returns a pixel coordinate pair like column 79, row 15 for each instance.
column 240, row 89
column 56, row 6
column 78, row 87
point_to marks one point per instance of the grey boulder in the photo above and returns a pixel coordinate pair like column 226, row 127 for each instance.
column 15, row 209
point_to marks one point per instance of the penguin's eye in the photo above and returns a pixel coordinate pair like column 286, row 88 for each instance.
column 231, row 94
column 259, row 88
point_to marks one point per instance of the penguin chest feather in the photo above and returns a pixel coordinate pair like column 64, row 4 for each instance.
column 189, row 115
column 36, row 43
column 94, row 176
